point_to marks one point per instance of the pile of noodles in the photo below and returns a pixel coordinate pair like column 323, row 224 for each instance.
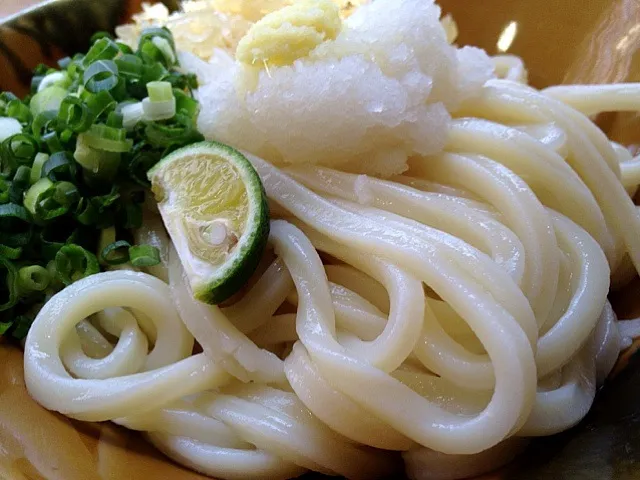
column 443, row 241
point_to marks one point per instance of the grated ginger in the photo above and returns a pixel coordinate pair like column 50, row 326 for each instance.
column 202, row 26
column 283, row 36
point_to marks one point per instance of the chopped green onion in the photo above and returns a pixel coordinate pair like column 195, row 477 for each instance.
column 156, row 45
column 156, row 111
column 33, row 278
column 22, row 176
column 6, row 97
column 51, row 267
column 36, row 194
column 99, row 166
column 66, row 135
column 131, row 216
column 5, row 326
column 59, row 79
column 53, row 142
column 100, row 75
column 116, row 253
column 110, row 139
column 99, row 103
column 87, row 213
column 114, row 119
column 66, row 194
column 182, row 132
column 153, row 72
column 159, row 91
column 103, row 49
column 144, row 256
column 47, row 100
column 99, row 35
column 59, row 166
column 18, row 110
column 166, row 49
column 140, row 165
column 36, row 167
column 132, row 114
column 9, row 127
column 10, row 253
column 5, row 191
column 15, row 225
column 46, row 200
column 43, row 123
column 13, row 211
column 74, row 263
column 18, row 238
column 183, row 81
column 124, row 48
column 35, row 83
column 75, row 114
column 21, row 327
column 19, row 184
column 18, row 150
column 107, row 237
column 64, row 62
column 185, row 104
column 119, row 92
column 70, row 154
column 162, row 32
column 8, row 289
column 106, row 201
column 87, row 157
column 55, row 235
column 130, row 66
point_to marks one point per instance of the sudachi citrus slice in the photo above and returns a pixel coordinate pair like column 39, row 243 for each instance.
column 215, row 210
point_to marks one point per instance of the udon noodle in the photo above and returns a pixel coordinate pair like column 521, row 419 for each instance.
column 439, row 317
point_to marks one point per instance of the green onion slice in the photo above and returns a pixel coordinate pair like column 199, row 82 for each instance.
column 109, row 139
column 103, row 49
column 144, row 256
column 8, row 284
column 21, row 327
column 10, row 253
column 59, row 166
column 100, row 76
column 130, row 66
column 33, row 278
column 9, row 127
column 74, row 263
column 115, row 253
column 75, row 114
column 36, row 167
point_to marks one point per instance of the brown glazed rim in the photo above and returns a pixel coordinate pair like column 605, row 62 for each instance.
column 57, row 28
column 606, row 445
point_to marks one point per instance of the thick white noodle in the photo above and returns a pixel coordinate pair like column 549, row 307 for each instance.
column 447, row 313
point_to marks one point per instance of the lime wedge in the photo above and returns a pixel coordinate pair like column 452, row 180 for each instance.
column 215, row 210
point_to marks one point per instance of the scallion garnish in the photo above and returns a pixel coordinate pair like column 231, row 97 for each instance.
column 74, row 263
column 74, row 157
column 100, row 76
column 108, row 139
column 75, row 114
column 115, row 253
column 144, row 256
column 8, row 284
column 33, row 278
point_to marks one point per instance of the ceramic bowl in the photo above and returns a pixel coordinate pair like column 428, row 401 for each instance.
column 561, row 41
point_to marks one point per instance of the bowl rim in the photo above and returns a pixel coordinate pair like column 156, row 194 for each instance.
column 9, row 19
